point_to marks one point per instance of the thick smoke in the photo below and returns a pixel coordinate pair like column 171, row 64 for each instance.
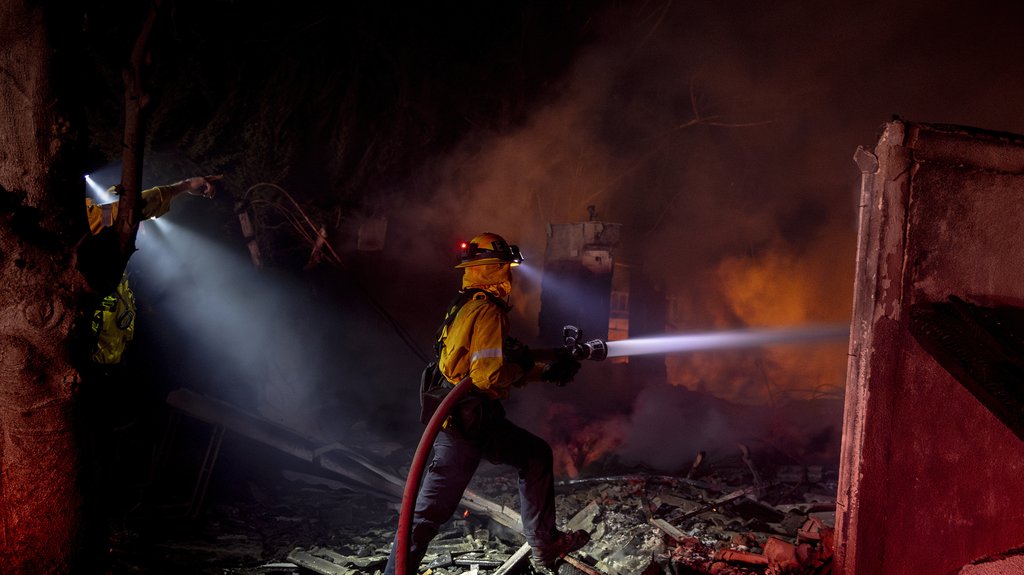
column 259, row 339
column 721, row 137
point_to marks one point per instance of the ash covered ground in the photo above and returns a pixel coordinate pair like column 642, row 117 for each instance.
column 265, row 512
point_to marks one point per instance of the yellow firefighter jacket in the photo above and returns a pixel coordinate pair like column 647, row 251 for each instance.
column 113, row 323
column 473, row 345
column 155, row 203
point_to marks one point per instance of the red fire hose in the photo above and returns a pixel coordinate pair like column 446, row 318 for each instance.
column 419, row 461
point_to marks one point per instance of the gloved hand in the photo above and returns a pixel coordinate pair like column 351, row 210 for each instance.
column 518, row 353
column 202, row 186
column 561, row 372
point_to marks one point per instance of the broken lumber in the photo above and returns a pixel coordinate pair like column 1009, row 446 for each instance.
column 507, row 517
column 317, row 565
column 288, row 440
column 723, row 499
column 514, row 561
column 581, row 566
column 669, row 529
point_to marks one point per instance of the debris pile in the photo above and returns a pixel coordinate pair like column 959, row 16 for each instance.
column 639, row 525
column 333, row 509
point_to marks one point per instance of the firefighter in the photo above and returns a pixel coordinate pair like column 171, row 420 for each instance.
column 110, row 409
column 155, row 201
column 114, row 321
column 475, row 343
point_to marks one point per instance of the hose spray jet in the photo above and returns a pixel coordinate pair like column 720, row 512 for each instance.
column 598, row 350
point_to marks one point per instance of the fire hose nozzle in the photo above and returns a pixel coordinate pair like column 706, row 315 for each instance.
column 594, row 349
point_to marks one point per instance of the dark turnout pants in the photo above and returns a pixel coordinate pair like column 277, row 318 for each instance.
column 455, row 461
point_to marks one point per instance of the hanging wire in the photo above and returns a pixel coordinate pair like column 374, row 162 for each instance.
column 316, row 236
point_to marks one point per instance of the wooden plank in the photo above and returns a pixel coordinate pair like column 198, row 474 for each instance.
column 318, row 565
column 514, row 561
column 669, row 529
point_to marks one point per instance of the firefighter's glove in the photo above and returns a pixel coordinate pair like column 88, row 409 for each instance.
column 561, row 372
column 518, row 353
column 202, row 186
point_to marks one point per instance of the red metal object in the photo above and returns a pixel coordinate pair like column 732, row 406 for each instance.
column 778, row 551
column 740, row 557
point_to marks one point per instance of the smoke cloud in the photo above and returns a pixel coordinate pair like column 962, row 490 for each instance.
column 721, row 137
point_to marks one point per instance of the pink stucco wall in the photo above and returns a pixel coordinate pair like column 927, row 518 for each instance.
column 930, row 480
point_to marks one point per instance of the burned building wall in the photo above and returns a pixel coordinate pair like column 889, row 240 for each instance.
column 931, row 476
column 577, row 286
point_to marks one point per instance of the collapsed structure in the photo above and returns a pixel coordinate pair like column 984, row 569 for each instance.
column 731, row 517
column 930, row 479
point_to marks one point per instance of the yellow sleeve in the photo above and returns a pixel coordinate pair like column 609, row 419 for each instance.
column 100, row 215
column 475, row 345
column 156, row 201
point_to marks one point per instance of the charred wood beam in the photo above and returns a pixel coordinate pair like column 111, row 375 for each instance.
column 713, row 504
column 485, row 562
column 316, row 564
column 359, row 564
column 272, row 434
column 513, row 563
column 584, row 518
column 501, row 514
column 740, row 557
column 669, row 529
column 580, row 566
column 334, row 456
column 638, row 478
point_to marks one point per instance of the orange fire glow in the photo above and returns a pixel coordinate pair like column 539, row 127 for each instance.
column 585, row 442
column 780, row 286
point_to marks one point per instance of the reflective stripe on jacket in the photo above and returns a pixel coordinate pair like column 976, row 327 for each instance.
column 473, row 344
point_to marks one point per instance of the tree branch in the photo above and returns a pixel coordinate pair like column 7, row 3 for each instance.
column 135, row 100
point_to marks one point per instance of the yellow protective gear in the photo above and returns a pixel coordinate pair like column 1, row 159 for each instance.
column 495, row 278
column 474, row 345
column 113, row 324
column 155, row 203
column 474, row 342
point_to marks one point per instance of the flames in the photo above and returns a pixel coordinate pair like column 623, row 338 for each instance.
column 580, row 440
column 781, row 285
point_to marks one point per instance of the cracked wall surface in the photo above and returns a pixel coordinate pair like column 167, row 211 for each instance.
column 930, row 479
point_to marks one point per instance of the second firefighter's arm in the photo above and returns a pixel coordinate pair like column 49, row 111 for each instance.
column 157, row 201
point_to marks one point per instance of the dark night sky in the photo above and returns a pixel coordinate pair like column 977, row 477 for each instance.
column 453, row 118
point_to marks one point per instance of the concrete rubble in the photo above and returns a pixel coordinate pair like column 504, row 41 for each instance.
column 640, row 525
column 730, row 515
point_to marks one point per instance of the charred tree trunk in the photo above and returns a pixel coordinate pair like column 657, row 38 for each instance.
column 40, row 222
column 50, row 280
